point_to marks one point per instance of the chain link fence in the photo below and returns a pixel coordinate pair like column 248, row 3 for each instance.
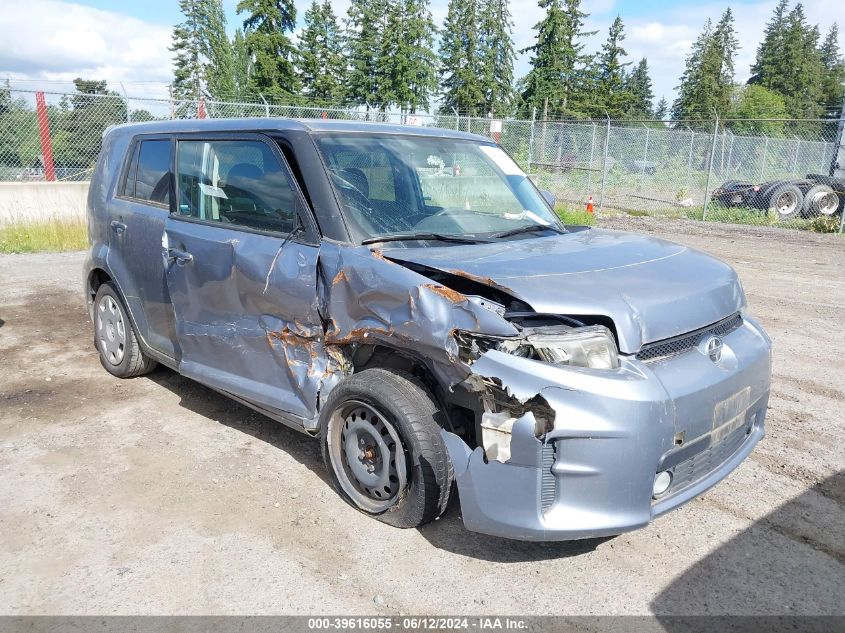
column 759, row 172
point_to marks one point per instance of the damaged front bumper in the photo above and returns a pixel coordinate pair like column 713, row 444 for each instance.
column 592, row 474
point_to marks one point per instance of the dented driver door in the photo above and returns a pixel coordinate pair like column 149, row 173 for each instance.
column 242, row 274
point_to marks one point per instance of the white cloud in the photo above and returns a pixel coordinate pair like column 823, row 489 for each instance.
column 57, row 41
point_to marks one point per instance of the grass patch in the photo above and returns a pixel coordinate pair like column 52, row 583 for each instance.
column 52, row 235
column 574, row 216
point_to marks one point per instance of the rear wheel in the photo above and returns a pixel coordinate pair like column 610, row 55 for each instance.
column 383, row 449
column 115, row 338
column 787, row 201
column 820, row 200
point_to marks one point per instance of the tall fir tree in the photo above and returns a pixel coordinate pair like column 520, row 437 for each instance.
column 497, row 56
column 557, row 60
column 611, row 96
column 789, row 61
column 241, row 64
column 661, row 110
column 833, row 90
column 707, row 83
column 460, row 61
column 188, row 47
column 640, row 93
column 413, row 73
column 219, row 55
column 365, row 26
column 272, row 53
column 320, row 60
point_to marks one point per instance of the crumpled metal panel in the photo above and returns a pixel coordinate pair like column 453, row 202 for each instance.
column 651, row 289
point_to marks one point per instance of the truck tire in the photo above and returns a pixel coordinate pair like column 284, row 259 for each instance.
column 383, row 449
column 820, row 200
column 787, row 201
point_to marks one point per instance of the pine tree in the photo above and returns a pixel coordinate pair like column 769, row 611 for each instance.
column 557, row 60
column 413, row 74
column 365, row 25
column 321, row 64
column 219, row 55
column 188, row 46
column 707, row 83
column 770, row 51
column 497, row 56
column 611, row 95
column 834, row 67
column 661, row 110
column 641, row 96
column 265, row 27
column 241, row 64
column 460, row 66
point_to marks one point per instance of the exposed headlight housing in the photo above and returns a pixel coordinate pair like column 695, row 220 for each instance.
column 592, row 346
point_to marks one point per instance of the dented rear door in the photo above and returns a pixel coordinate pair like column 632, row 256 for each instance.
column 241, row 273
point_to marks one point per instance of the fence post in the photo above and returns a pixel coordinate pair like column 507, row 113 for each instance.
column 645, row 156
column 531, row 138
column 763, row 163
column 126, row 100
column 710, row 168
column 604, row 164
column 795, row 159
column 590, row 166
column 46, row 141
column 689, row 159
column 266, row 105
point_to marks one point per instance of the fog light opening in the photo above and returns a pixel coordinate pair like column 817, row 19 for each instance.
column 661, row 483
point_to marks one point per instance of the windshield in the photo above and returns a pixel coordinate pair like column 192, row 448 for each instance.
column 427, row 187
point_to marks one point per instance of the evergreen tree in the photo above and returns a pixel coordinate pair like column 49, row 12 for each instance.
column 365, row 25
column 322, row 67
column 707, row 83
column 770, row 51
column 641, row 96
column 241, row 64
column 270, row 49
column 557, row 60
column 789, row 61
column 834, row 70
column 661, row 110
column 497, row 56
column 219, row 55
column 610, row 91
column 413, row 72
column 188, row 47
column 460, row 65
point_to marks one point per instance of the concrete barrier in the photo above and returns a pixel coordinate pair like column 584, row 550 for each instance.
column 42, row 201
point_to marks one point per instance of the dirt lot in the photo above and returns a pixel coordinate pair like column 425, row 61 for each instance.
column 156, row 495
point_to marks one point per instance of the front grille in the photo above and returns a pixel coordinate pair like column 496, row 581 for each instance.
column 699, row 465
column 686, row 342
column 547, row 483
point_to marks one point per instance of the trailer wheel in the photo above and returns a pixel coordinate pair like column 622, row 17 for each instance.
column 820, row 200
column 787, row 201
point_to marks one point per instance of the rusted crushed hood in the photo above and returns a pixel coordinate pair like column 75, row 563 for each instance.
column 652, row 289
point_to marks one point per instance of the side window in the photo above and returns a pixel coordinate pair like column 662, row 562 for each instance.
column 152, row 181
column 235, row 182
column 128, row 190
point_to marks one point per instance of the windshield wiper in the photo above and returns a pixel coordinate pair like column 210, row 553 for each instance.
column 530, row 228
column 440, row 237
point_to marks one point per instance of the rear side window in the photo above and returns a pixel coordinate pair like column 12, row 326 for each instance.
column 235, row 182
column 148, row 177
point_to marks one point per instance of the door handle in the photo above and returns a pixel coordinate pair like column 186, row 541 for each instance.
column 118, row 227
column 181, row 257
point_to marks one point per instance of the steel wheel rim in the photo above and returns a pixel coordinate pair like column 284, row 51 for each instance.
column 111, row 330
column 367, row 456
column 826, row 202
column 786, row 203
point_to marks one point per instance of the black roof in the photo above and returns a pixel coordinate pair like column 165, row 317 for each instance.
column 306, row 125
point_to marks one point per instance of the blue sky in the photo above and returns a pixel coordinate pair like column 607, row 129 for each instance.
column 126, row 41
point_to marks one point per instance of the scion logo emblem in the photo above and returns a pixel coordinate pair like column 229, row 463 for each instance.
column 713, row 348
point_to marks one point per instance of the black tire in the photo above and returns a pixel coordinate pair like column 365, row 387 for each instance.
column 820, row 200
column 109, row 316
column 787, row 201
column 407, row 409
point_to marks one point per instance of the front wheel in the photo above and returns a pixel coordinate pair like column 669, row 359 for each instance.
column 383, row 448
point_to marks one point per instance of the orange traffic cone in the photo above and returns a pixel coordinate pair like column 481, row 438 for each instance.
column 590, row 204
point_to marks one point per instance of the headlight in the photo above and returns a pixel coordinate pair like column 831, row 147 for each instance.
column 591, row 346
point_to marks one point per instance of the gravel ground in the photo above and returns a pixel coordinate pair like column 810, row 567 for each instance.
column 157, row 495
